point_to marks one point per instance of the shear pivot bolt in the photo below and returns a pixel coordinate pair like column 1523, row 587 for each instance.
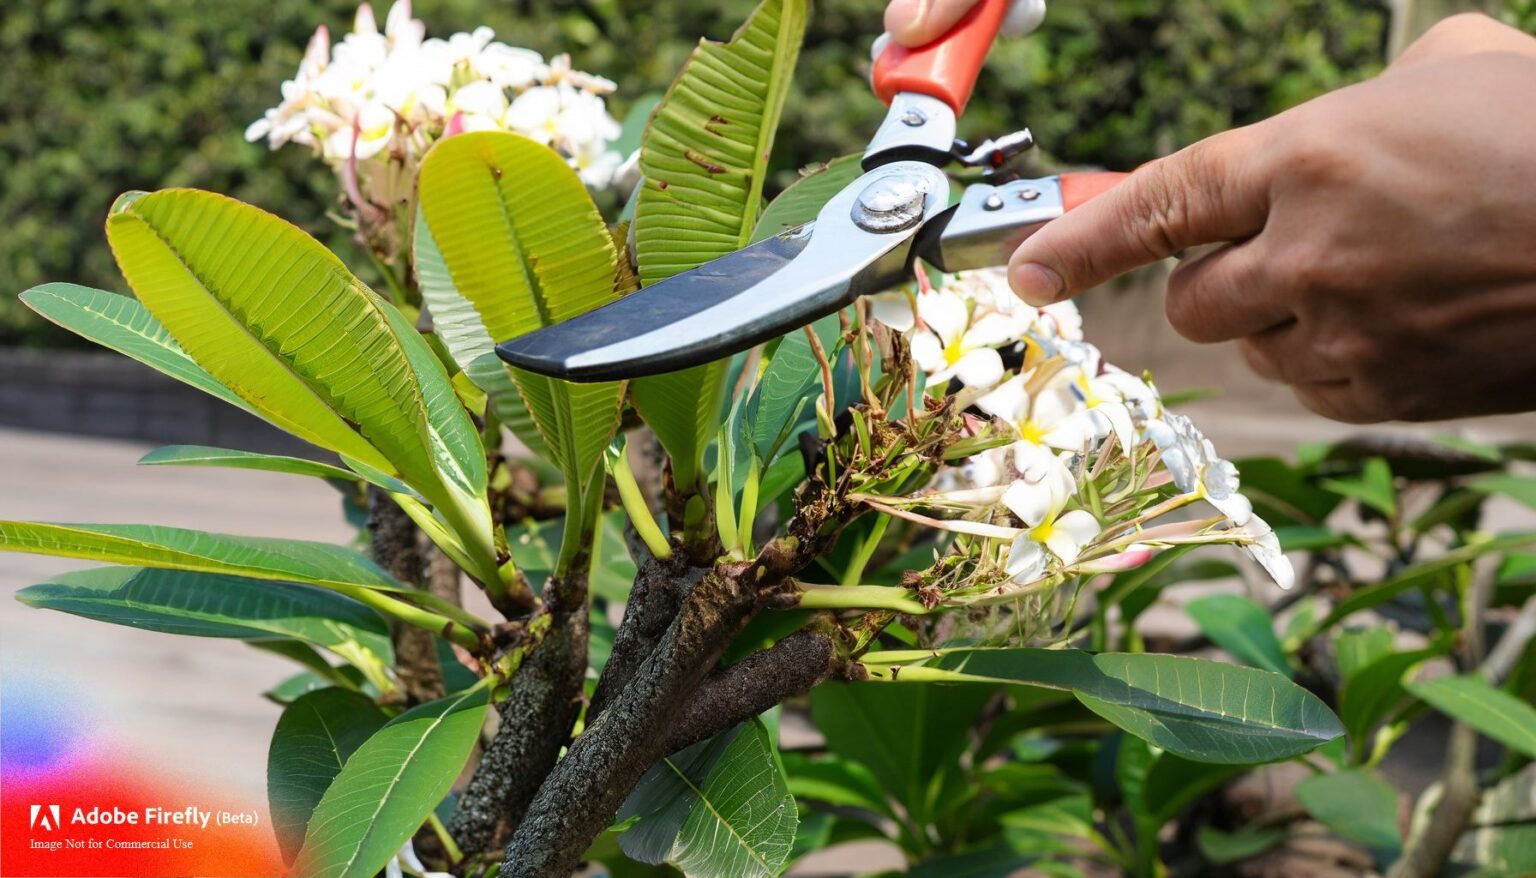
column 993, row 202
column 1029, row 193
column 891, row 203
column 914, row 118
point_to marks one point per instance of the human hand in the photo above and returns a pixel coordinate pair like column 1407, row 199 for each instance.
column 1384, row 262
column 914, row 23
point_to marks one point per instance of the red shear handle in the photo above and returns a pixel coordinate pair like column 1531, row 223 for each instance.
column 945, row 68
column 1080, row 188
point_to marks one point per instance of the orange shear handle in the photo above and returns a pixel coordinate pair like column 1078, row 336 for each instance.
column 945, row 68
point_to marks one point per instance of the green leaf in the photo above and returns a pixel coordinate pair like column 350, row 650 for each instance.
column 174, row 548
column 1356, row 804
column 803, row 199
column 1357, row 649
column 1282, row 493
column 835, row 781
column 705, row 161
column 280, row 320
column 469, row 342
column 1493, row 712
column 995, row 861
column 1242, row 628
column 719, row 808
column 909, row 737
column 125, row 326
column 1372, row 487
column 211, row 605
column 1521, row 489
column 1221, row 847
column 1418, row 574
column 1174, row 783
column 203, row 455
column 1202, row 710
column 526, row 247
column 389, row 786
column 1370, row 692
column 313, row 739
column 789, row 376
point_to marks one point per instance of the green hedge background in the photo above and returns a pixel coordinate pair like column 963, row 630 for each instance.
column 102, row 96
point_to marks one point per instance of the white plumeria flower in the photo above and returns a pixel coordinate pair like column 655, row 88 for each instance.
column 1047, row 417
column 370, row 133
column 380, row 99
column 1061, row 319
column 1103, row 411
column 1062, row 534
column 596, row 164
column 955, row 347
column 1192, row 461
column 893, row 308
column 1044, row 485
column 1265, row 549
column 405, row 862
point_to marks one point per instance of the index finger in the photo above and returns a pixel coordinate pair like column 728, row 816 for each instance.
column 1213, row 191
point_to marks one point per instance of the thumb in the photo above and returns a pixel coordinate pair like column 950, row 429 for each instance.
column 914, row 23
column 1209, row 192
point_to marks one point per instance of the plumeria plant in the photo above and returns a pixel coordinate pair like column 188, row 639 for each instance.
column 920, row 511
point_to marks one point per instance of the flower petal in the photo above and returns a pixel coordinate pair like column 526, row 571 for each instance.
column 894, row 309
column 1010, row 401
column 1026, row 560
column 980, row 368
column 928, row 352
column 1070, row 533
column 945, row 314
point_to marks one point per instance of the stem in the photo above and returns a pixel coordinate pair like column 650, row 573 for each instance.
column 457, row 631
column 827, row 384
column 441, row 831
column 866, row 550
column 860, row 597
column 634, row 506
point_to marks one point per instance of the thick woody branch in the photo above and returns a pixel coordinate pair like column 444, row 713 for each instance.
column 756, row 683
column 536, row 723
column 580, row 796
column 395, row 545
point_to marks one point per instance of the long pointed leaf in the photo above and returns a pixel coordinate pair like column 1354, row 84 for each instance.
column 205, row 455
column 124, row 325
column 389, row 786
column 704, row 160
column 175, row 548
column 314, row 737
column 278, row 319
column 1202, row 710
column 213, row 605
column 526, row 247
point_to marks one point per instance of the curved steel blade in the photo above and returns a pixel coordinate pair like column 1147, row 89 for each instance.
column 743, row 298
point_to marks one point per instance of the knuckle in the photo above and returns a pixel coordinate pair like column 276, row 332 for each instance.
column 1160, row 213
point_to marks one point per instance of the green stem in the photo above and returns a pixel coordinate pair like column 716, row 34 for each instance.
column 861, row 597
column 634, row 506
column 866, row 550
column 450, row 847
column 459, row 627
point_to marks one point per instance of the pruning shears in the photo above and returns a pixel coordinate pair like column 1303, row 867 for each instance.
column 866, row 239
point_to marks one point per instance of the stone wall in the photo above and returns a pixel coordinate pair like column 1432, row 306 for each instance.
column 100, row 393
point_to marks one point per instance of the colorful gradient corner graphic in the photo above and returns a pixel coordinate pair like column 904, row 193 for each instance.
column 73, row 803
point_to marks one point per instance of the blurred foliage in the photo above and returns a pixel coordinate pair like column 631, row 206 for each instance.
column 102, row 96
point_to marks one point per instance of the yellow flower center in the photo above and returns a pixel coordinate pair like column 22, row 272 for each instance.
column 953, row 352
column 1043, row 531
column 1031, row 432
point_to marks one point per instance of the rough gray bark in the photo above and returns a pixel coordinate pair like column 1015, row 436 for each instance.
column 536, row 722
column 756, row 683
column 579, row 798
column 395, row 545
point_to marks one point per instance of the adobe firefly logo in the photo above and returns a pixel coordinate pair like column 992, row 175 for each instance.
column 45, row 817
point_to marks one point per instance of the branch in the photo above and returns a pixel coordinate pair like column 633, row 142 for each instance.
column 393, row 543
column 536, row 721
column 580, row 796
column 756, row 683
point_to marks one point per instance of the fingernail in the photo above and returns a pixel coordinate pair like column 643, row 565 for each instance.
column 1036, row 284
